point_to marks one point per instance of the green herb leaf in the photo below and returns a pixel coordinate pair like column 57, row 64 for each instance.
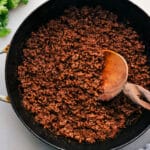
column 13, row 3
column 3, row 10
column 3, row 2
column 4, row 32
column 24, row 1
column 3, row 20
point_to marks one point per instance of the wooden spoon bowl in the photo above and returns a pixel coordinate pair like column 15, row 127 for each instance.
column 115, row 74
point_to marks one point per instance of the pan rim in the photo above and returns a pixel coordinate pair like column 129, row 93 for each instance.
column 17, row 113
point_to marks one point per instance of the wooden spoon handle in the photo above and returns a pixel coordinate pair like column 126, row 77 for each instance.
column 145, row 92
column 135, row 93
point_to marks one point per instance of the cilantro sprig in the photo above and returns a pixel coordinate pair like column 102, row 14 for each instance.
column 5, row 6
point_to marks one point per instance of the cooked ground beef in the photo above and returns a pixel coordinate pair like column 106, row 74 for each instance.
column 60, row 76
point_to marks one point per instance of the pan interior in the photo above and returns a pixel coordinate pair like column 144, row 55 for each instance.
column 52, row 9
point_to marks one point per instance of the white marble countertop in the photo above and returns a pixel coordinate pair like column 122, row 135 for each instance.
column 13, row 135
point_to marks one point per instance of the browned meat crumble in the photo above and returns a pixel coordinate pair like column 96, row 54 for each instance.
column 61, row 74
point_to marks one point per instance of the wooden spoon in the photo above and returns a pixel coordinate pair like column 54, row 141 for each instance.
column 115, row 76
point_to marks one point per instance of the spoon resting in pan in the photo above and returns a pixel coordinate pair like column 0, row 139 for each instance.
column 115, row 75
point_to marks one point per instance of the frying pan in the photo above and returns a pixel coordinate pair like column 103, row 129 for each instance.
column 52, row 9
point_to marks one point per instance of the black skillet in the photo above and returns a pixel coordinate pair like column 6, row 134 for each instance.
column 52, row 9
